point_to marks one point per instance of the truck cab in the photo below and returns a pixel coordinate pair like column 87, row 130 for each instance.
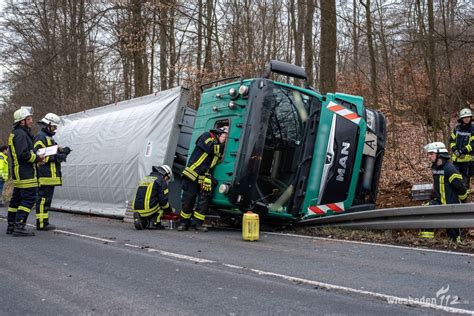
column 292, row 154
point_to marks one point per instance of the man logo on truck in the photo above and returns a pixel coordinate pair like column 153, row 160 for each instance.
column 341, row 172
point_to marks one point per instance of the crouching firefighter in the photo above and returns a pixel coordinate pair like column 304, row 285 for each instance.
column 151, row 199
column 25, row 182
column 49, row 170
column 448, row 185
column 197, row 178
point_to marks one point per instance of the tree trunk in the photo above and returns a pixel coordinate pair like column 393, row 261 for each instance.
column 163, row 49
column 308, row 41
column 209, row 25
column 299, row 33
column 139, row 50
column 328, row 48
column 373, row 65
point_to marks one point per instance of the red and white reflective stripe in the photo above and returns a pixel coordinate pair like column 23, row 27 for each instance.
column 322, row 209
column 344, row 112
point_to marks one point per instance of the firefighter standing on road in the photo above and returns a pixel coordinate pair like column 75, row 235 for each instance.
column 197, row 178
column 49, row 171
column 448, row 184
column 462, row 143
column 151, row 199
column 25, row 182
column 3, row 170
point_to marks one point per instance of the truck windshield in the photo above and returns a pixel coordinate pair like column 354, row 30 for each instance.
column 273, row 140
column 283, row 144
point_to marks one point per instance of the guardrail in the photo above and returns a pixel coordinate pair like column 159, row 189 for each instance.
column 437, row 216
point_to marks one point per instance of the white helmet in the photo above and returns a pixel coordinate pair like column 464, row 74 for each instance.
column 22, row 113
column 52, row 119
column 466, row 112
column 165, row 170
column 437, row 147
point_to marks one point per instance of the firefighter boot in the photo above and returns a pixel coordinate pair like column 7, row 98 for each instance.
column 155, row 222
column 11, row 222
column 183, row 225
column 197, row 225
column 20, row 225
column 46, row 227
column 137, row 221
column 20, row 230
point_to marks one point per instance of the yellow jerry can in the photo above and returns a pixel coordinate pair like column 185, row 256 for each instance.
column 250, row 226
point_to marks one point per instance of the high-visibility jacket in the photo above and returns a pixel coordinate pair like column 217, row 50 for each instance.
column 462, row 140
column 3, row 167
column 49, row 173
column 23, row 158
column 448, row 185
column 205, row 156
column 151, row 195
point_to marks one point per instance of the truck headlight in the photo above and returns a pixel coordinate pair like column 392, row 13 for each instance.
column 224, row 188
column 243, row 90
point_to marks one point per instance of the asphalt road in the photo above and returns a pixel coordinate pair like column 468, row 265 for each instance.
column 96, row 266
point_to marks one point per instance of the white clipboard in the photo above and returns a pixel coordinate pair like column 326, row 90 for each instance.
column 48, row 151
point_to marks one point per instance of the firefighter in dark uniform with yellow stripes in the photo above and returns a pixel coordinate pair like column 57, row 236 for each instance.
column 448, row 185
column 462, row 143
column 25, row 182
column 49, row 171
column 151, row 199
column 197, row 178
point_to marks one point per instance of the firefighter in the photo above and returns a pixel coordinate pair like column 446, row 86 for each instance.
column 462, row 143
column 25, row 182
column 198, row 182
column 49, row 171
column 3, row 170
column 448, row 185
column 151, row 199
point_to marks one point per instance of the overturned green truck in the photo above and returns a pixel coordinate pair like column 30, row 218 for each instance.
column 292, row 154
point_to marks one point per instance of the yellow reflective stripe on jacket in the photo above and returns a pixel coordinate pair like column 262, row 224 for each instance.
column 455, row 176
column 42, row 145
column 32, row 157
column 442, row 191
column 16, row 169
column 191, row 174
column 46, row 160
column 199, row 161
column 148, row 212
column 207, row 141
column 149, row 189
column 49, row 181
column 464, row 196
column 165, row 191
column 217, row 155
column 24, row 184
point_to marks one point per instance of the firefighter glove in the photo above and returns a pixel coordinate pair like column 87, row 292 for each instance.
column 206, row 184
column 66, row 150
column 60, row 157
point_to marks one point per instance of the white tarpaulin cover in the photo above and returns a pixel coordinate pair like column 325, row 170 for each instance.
column 113, row 147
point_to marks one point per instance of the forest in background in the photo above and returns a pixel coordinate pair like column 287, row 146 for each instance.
column 411, row 59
